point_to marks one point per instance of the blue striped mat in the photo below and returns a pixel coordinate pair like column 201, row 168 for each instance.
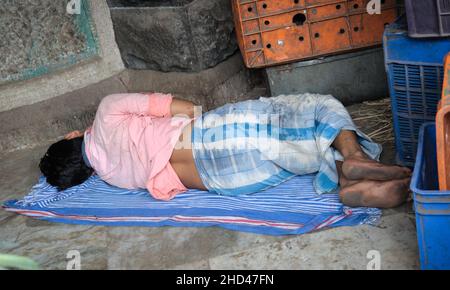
column 290, row 208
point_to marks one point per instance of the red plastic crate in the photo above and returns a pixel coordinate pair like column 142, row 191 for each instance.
column 273, row 32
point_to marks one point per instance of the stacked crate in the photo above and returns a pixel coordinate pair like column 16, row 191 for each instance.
column 431, row 205
column 415, row 75
column 414, row 50
column 428, row 18
column 274, row 32
column 421, row 60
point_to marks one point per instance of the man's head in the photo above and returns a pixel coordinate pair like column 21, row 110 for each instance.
column 63, row 164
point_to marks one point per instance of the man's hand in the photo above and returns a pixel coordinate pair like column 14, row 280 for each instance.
column 73, row 135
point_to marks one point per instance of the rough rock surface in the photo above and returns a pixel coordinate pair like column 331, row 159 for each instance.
column 174, row 36
column 34, row 34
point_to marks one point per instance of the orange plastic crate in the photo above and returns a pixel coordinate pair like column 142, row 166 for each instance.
column 443, row 131
column 273, row 32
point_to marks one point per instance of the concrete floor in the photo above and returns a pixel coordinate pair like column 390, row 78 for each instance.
column 195, row 248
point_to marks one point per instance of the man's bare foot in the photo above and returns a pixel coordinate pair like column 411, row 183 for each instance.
column 343, row 181
column 359, row 168
column 381, row 194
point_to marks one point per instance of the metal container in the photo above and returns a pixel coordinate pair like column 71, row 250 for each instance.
column 351, row 77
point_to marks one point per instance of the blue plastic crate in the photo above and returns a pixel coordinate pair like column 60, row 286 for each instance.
column 415, row 75
column 431, row 205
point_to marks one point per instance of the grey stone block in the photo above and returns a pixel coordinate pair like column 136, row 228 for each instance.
column 352, row 77
column 173, row 35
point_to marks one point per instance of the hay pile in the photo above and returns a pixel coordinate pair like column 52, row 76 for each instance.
column 375, row 119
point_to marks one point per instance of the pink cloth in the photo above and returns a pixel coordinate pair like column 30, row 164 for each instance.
column 131, row 141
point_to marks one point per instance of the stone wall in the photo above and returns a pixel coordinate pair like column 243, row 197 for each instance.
column 39, row 37
column 183, row 35
column 44, row 108
column 46, row 52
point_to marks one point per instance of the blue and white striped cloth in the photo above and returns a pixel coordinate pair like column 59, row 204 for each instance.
column 250, row 146
column 290, row 208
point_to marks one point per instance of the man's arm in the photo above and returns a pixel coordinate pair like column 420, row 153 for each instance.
column 182, row 108
column 73, row 135
column 138, row 106
column 155, row 104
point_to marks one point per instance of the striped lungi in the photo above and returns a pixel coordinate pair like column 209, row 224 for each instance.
column 250, row 146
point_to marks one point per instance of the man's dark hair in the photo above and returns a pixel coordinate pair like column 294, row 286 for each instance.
column 63, row 164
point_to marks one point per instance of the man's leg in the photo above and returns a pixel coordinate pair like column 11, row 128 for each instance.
column 357, row 165
column 365, row 182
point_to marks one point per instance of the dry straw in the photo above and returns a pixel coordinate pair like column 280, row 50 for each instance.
column 375, row 119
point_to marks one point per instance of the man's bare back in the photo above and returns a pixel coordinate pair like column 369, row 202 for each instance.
column 183, row 163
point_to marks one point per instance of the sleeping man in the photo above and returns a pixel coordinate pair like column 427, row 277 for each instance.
column 157, row 142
